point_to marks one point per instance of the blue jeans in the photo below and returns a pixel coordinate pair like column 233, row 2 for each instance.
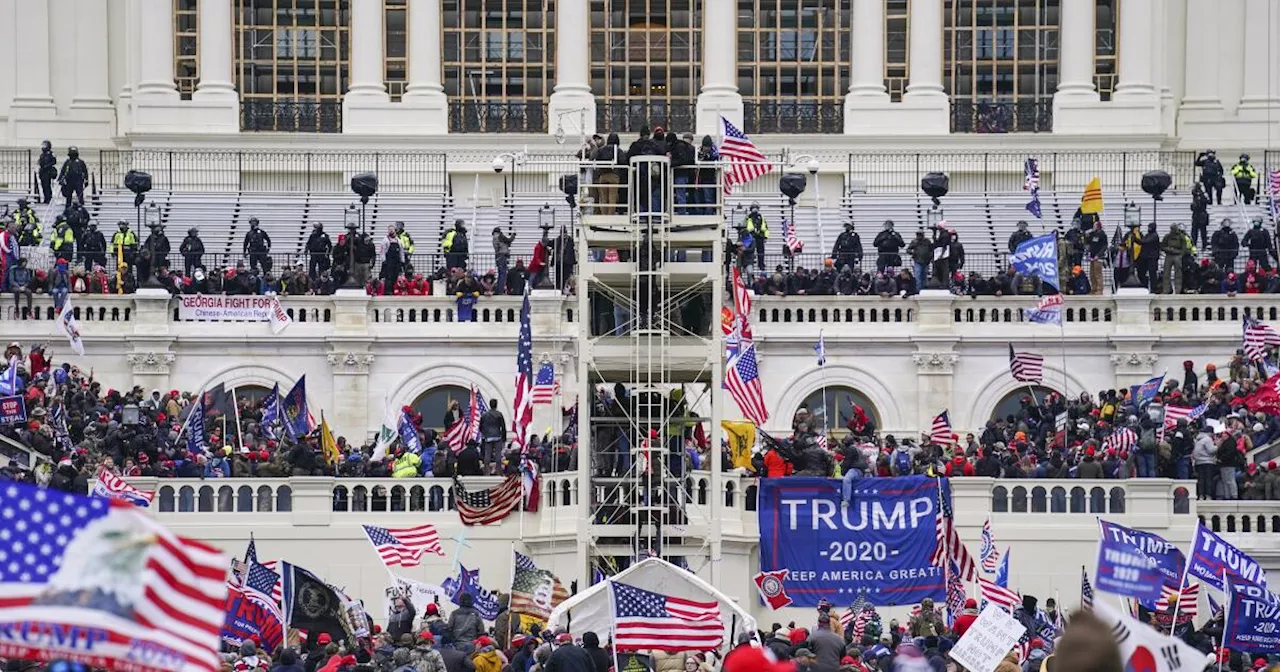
column 682, row 194
column 1146, row 462
column 846, row 488
column 921, row 272
column 1181, row 469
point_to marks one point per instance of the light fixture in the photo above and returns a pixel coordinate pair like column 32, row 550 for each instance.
column 152, row 215
column 350, row 217
column 129, row 415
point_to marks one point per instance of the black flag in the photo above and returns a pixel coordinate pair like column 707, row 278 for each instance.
column 311, row 604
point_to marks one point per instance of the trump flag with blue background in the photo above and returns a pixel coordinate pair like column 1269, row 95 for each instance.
column 1038, row 258
column 1212, row 556
column 1253, row 618
column 1136, row 563
column 879, row 544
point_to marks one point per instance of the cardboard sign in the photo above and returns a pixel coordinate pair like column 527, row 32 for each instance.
column 988, row 640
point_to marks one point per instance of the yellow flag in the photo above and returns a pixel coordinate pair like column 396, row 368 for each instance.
column 741, row 436
column 327, row 445
column 1091, row 202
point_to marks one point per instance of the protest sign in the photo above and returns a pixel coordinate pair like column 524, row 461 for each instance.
column 219, row 308
column 987, row 641
column 13, row 410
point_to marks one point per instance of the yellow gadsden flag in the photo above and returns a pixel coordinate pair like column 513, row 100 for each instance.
column 327, row 445
column 1091, row 202
column 741, row 436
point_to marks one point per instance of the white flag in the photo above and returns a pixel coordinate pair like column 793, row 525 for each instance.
column 67, row 320
column 1142, row 648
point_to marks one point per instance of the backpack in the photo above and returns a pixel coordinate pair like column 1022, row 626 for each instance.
column 1148, row 440
column 902, row 462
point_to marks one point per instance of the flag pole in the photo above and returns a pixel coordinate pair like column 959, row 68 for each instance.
column 235, row 404
column 613, row 625
column 1226, row 611
column 512, row 589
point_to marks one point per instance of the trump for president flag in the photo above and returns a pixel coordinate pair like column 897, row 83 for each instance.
column 98, row 581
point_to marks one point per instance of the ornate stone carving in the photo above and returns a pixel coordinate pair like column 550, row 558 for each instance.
column 935, row 362
column 1134, row 360
column 151, row 362
column 350, row 362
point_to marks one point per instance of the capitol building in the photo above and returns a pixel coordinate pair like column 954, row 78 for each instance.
column 476, row 110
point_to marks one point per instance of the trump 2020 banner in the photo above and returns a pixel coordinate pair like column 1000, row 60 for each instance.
column 1129, row 562
column 247, row 619
column 1038, row 257
column 1212, row 556
column 879, row 544
column 1253, row 618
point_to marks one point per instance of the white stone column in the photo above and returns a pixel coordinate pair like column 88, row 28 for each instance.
column 425, row 93
column 1260, row 91
column 866, row 76
column 1137, row 40
column 367, row 37
column 719, row 95
column 215, row 51
column 1201, row 83
column 92, row 77
column 32, row 48
column 155, row 21
column 926, row 51
column 1075, row 51
column 572, row 99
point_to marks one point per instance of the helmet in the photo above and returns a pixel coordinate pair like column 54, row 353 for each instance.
column 755, row 206
column 253, row 221
column 1244, row 157
column 73, row 152
column 46, row 146
column 319, row 226
column 193, row 231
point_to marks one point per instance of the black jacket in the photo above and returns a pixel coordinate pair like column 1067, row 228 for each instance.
column 48, row 164
column 570, row 658
column 492, row 424
column 319, row 243
column 74, row 173
column 192, row 245
column 257, row 240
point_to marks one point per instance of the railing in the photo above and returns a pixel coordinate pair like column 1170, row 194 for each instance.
column 799, row 116
column 478, row 116
column 618, row 116
column 291, row 116
column 987, row 264
column 986, row 172
column 1247, row 516
column 984, row 116
column 275, row 171
column 18, row 169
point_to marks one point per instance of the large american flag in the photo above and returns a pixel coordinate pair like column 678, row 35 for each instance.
column 111, row 486
column 481, row 507
column 940, row 431
column 1002, row 597
column 743, row 381
column 468, row 424
column 1172, row 414
column 545, row 385
column 1257, row 337
column 1086, row 590
column 523, row 414
column 106, row 566
column 1274, row 183
column 1026, row 367
column 1121, row 439
column 949, row 546
column 789, row 236
column 988, row 553
column 1188, row 600
column 746, row 163
column 648, row 620
column 404, row 546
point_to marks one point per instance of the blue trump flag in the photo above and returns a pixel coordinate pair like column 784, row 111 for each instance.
column 1211, row 556
column 195, row 429
column 297, row 419
column 1253, row 618
column 408, row 433
column 271, row 412
column 1146, row 392
column 880, row 544
column 1135, row 563
column 1038, row 257
column 1002, row 571
column 468, row 581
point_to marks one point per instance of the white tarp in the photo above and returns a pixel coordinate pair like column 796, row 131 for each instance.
column 591, row 609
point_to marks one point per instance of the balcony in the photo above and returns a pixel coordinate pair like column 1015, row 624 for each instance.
column 629, row 116
column 291, row 116
column 983, row 116
column 510, row 116
column 799, row 116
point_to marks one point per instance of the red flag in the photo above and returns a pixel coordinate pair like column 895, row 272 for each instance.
column 771, row 589
column 1266, row 399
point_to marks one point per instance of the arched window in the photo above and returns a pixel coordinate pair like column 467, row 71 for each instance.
column 433, row 404
column 254, row 394
column 836, row 403
column 1011, row 402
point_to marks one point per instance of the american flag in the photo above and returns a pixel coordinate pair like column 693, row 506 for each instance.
column 1188, row 600
column 852, row 614
column 1031, row 184
column 1086, row 590
column 523, row 414
column 111, row 486
column 404, row 546
column 746, row 163
column 860, row 622
column 259, row 587
column 987, row 552
column 1023, row 648
column 1026, row 367
column 955, row 593
column 481, row 507
column 949, row 546
column 1274, row 180
column 1002, row 597
column 1172, row 414
column 1121, row 439
column 108, row 568
column 545, row 386
column 648, row 620
column 468, row 424
column 793, row 242
column 743, row 381
column 1257, row 337
column 940, row 432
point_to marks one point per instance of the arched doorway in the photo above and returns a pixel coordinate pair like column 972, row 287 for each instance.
column 836, row 402
column 254, row 394
column 1010, row 403
column 433, row 404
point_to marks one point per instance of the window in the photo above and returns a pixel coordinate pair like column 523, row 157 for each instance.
column 839, row 402
column 1001, row 64
column 897, row 39
column 186, row 46
column 793, row 64
column 435, row 402
column 646, row 63
column 499, row 64
column 395, row 59
column 1106, row 47
column 1011, row 402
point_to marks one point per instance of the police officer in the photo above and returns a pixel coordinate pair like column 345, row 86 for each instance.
column 48, row 169
column 63, row 240
column 888, row 244
column 1211, row 173
column 455, row 246
column 155, row 253
column 191, row 249
column 406, row 241
column 29, row 230
column 1244, row 175
column 1226, row 246
column 1019, row 237
column 124, row 244
column 1199, row 214
column 93, row 249
column 319, row 249
column 74, row 176
column 1258, row 241
column 257, row 247
column 759, row 230
column 848, row 248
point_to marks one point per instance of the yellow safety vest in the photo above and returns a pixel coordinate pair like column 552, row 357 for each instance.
column 406, row 243
column 1243, row 170
column 447, row 246
column 123, row 238
column 762, row 228
column 406, row 466
column 64, row 239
